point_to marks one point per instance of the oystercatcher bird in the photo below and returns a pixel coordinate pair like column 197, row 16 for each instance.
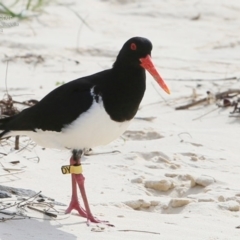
column 88, row 112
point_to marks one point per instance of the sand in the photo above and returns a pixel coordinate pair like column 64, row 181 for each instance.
column 175, row 177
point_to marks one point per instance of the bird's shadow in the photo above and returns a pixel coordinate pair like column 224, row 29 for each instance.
column 34, row 229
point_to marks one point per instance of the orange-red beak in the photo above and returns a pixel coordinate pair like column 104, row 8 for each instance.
column 149, row 66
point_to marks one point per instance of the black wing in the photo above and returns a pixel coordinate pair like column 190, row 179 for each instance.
column 57, row 109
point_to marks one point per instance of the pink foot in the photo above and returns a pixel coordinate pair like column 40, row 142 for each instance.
column 96, row 220
column 74, row 205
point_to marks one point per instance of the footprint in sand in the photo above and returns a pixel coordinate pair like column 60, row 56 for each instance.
column 160, row 185
column 141, row 135
column 179, row 191
column 193, row 157
column 231, row 205
column 158, row 160
column 180, row 186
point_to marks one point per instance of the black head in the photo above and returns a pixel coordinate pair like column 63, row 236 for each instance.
column 136, row 53
column 132, row 50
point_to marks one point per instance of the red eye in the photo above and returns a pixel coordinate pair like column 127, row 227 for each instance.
column 133, row 46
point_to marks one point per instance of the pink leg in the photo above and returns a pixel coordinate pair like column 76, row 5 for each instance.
column 90, row 218
column 74, row 204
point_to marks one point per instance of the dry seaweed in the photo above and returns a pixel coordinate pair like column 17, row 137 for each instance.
column 228, row 98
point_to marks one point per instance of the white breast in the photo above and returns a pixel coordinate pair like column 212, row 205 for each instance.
column 92, row 128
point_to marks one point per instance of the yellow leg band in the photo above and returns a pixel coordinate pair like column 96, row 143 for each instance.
column 67, row 169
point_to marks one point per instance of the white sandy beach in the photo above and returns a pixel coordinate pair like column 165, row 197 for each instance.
column 176, row 177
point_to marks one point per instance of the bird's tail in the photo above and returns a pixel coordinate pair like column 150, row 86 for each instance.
column 3, row 125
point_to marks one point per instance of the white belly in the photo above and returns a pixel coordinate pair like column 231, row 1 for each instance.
column 93, row 128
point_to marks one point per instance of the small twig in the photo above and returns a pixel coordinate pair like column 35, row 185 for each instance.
column 90, row 154
column 201, row 80
column 47, row 204
column 78, row 34
column 26, row 103
column 187, row 133
column 82, row 19
column 6, row 212
column 32, row 158
column 6, row 78
column 225, row 93
column 24, row 200
column 12, row 173
column 150, row 104
column 192, row 104
column 4, row 167
column 16, row 143
column 217, row 97
column 11, row 218
column 15, row 162
column 150, row 119
column 205, row 114
column 44, row 212
column 159, row 94
column 141, row 231
column 29, row 143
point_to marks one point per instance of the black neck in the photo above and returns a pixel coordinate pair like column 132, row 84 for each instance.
column 124, row 93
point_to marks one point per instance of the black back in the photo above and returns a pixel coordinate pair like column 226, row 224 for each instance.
column 121, row 88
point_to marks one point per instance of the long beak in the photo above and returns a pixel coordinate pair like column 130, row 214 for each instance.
column 149, row 66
